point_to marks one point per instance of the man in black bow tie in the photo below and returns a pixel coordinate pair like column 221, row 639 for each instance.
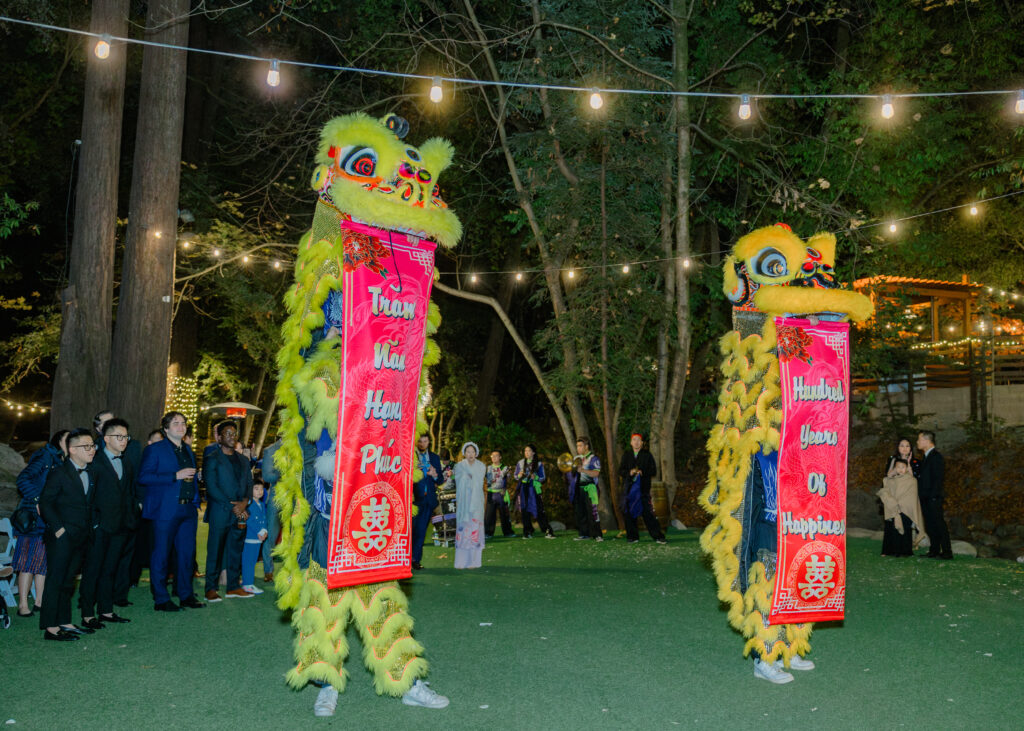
column 66, row 505
column 115, row 503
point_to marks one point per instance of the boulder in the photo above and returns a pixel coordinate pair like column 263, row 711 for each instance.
column 985, row 539
column 11, row 463
column 862, row 510
column 986, row 552
column 557, row 526
column 678, row 524
column 963, row 548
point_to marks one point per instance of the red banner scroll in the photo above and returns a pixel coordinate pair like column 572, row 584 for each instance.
column 814, row 370
column 386, row 287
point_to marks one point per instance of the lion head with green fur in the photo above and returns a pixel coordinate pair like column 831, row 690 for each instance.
column 774, row 270
column 366, row 171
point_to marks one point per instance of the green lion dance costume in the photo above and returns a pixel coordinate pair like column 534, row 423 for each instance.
column 367, row 175
column 771, row 272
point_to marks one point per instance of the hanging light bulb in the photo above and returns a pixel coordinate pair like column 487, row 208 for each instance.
column 974, row 210
column 216, row 252
column 245, row 260
column 686, row 262
column 277, row 264
column 158, row 234
column 625, row 268
column 1019, row 106
column 572, row 274
column 519, row 276
column 892, row 228
column 596, row 100
column 744, row 110
column 472, row 278
column 274, row 75
column 887, row 108
column 102, row 49
column 185, row 244
column 436, row 92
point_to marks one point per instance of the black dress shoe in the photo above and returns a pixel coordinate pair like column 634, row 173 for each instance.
column 93, row 624
column 26, row 614
column 61, row 636
column 192, row 603
column 167, row 606
column 76, row 630
column 417, row 565
column 113, row 618
column 123, row 603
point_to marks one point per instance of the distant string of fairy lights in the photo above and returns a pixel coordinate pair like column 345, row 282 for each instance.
column 595, row 95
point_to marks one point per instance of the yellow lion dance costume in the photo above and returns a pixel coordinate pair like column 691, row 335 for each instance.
column 365, row 174
column 771, row 272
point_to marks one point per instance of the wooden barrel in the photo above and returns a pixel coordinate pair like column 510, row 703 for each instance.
column 659, row 501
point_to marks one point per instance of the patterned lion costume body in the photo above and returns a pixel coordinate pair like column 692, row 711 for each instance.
column 366, row 174
column 771, row 272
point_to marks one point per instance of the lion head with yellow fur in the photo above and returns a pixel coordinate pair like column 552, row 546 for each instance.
column 777, row 272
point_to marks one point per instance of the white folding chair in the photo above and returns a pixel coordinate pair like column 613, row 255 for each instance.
column 6, row 558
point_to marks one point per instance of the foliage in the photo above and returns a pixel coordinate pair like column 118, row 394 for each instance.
column 33, row 350
column 218, row 381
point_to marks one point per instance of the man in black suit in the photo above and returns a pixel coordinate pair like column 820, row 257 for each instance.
column 66, row 506
column 228, row 491
column 128, row 569
column 116, row 505
column 930, row 493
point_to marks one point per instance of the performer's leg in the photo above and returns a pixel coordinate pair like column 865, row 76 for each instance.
column 320, row 620
column 506, row 521
column 632, row 532
column 389, row 650
column 527, row 524
column 542, row 518
column 580, row 511
column 594, row 518
column 653, row 527
column 489, row 517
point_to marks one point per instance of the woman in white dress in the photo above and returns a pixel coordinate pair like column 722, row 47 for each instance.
column 469, row 508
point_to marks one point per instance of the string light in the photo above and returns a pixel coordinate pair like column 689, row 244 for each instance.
column 974, row 210
column 596, row 100
column 887, row 108
column 436, row 92
column 886, row 98
column 19, row 409
column 216, row 252
column 686, row 262
column 183, row 396
column 245, row 259
column 625, row 268
column 571, row 274
column 158, row 234
column 744, row 110
column 277, row 264
column 102, row 49
column 274, row 74
column 185, row 244
column 472, row 278
column 519, row 276
column 892, row 228
column 1019, row 106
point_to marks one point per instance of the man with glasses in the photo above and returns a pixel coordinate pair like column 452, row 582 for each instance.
column 115, row 503
column 66, row 506
column 129, row 567
column 171, row 501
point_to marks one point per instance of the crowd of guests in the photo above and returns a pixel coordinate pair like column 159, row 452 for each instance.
column 488, row 493
column 912, row 498
column 97, row 508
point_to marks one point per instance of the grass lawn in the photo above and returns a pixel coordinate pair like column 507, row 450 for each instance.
column 560, row 635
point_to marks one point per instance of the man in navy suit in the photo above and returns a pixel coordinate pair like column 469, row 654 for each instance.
column 66, row 506
column 167, row 476
column 930, row 490
column 228, row 491
column 117, row 517
column 424, row 494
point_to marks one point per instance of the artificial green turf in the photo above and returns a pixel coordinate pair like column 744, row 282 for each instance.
column 577, row 635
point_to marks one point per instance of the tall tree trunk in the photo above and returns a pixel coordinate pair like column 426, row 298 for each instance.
column 610, row 427
column 495, row 343
column 680, row 350
column 142, row 336
column 80, row 383
column 257, row 393
column 268, row 419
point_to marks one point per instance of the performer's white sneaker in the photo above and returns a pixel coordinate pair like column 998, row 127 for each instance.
column 769, row 672
column 326, row 702
column 420, row 694
column 252, row 589
column 796, row 663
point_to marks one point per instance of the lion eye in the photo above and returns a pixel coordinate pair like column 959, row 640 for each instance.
column 769, row 262
column 361, row 161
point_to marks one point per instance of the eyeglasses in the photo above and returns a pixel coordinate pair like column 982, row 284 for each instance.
column 121, row 437
column 86, row 447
